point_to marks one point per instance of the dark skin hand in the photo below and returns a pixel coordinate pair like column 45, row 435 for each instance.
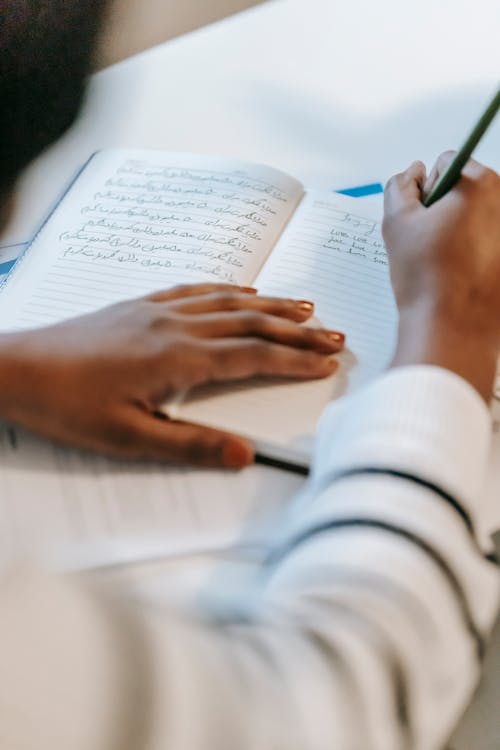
column 96, row 382
column 445, row 268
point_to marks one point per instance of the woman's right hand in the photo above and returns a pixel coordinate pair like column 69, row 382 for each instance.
column 445, row 269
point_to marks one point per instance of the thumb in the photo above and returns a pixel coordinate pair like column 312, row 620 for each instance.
column 404, row 190
column 156, row 438
column 439, row 167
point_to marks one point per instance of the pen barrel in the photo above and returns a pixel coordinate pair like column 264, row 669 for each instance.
column 451, row 175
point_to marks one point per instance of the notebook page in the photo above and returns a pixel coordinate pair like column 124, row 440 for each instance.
column 135, row 222
column 332, row 253
column 91, row 511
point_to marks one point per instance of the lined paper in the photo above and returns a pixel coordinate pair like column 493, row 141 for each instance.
column 331, row 253
column 138, row 222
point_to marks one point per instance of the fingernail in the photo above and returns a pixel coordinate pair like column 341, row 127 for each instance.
column 248, row 289
column 237, row 455
column 336, row 336
column 305, row 305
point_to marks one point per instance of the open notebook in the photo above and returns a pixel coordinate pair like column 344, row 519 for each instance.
column 137, row 221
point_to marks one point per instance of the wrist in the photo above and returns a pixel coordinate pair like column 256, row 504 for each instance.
column 16, row 375
column 463, row 347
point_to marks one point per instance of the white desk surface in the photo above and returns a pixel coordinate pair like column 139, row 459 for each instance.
column 337, row 93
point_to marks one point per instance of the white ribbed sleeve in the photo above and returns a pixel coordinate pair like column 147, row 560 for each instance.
column 369, row 627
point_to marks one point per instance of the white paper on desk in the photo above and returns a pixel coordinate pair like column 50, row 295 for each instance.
column 107, row 513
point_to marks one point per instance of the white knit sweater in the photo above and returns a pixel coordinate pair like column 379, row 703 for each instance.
column 367, row 633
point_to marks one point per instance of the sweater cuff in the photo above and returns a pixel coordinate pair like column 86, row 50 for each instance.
column 421, row 420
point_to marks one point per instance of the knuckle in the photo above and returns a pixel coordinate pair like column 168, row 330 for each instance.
column 208, row 450
column 312, row 362
column 392, row 182
column 182, row 289
column 198, row 451
column 229, row 300
column 260, row 350
column 298, row 362
column 187, row 362
column 121, row 439
column 405, row 178
column 305, row 358
column 311, row 335
column 489, row 178
column 398, row 181
column 160, row 322
column 184, row 350
column 139, row 306
column 446, row 156
column 284, row 304
column 303, row 334
column 173, row 351
column 148, row 308
column 156, row 323
column 255, row 321
column 139, row 313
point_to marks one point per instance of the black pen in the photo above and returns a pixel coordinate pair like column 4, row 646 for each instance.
column 451, row 175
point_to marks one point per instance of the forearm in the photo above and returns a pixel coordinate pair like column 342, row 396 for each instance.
column 383, row 572
column 458, row 345
column 391, row 543
column 379, row 596
column 22, row 378
column 373, row 619
column 16, row 376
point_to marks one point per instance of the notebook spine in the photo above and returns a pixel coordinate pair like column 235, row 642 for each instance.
column 20, row 260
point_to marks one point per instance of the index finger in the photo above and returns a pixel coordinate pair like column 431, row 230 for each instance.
column 182, row 291
column 404, row 190
column 473, row 169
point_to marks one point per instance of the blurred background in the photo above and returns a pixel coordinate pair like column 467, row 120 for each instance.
column 139, row 24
